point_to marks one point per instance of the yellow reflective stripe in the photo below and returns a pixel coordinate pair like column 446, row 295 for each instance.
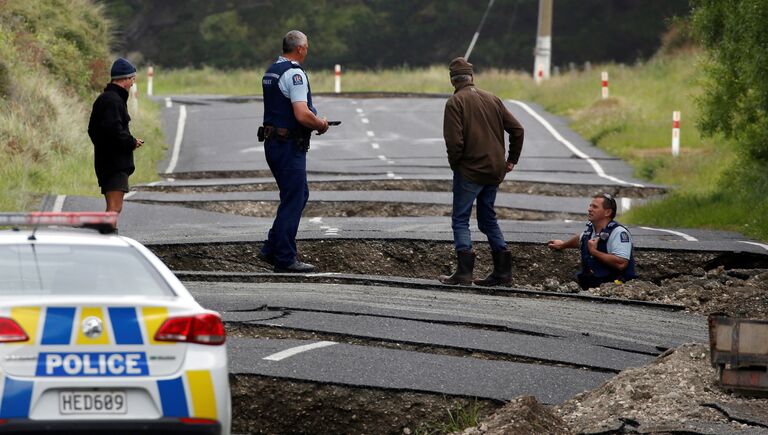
column 85, row 313
column 153, row 318
column 203, row 397
column 29, row 320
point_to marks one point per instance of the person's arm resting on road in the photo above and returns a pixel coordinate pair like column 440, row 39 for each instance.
column 559, row 245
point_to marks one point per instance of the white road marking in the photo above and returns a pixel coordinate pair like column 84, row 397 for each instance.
column 369, row 133
column 168, row 103
column 391, row 174
column 316, row 220
column 764, row 246
column 375, row 146
column 58, row 205
column 391, row 162
column 364, row 120
column 298, row 349
column 382, row 157
column 596, row 166
column 177, row 141
column 359, row 110
column 257, row 149
column 626, row 204
column 129, row 194
column 677, row 233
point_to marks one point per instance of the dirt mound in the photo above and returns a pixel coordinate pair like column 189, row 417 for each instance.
column 738, row 292
column 522, row 416
column 677, row 390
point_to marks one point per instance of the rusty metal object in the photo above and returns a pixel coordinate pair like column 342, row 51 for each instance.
column 739, row 349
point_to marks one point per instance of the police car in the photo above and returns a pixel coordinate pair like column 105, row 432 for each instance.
column 96, row 333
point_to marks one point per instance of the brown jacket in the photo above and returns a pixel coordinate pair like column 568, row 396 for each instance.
column 473, row 128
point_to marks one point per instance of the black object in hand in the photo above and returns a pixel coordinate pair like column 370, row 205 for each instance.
column 334, row 122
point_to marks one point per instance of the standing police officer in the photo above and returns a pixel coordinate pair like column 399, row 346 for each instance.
column 605, row 245
column 289, row 119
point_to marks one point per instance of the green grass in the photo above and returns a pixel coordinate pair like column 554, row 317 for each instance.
column 53, row 64
column 459, row 417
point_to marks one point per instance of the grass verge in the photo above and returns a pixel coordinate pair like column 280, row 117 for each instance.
column 53, row 63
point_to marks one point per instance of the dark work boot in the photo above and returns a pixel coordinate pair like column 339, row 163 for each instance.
column 296, row 267
column 502, row 270
column 463, row 274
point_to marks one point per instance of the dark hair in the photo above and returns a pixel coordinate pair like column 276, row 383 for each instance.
column 608, row 202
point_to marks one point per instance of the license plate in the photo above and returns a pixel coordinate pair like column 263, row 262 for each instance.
column 93, row 402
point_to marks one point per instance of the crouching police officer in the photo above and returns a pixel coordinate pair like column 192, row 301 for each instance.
column 289, row 119
column 606, row 246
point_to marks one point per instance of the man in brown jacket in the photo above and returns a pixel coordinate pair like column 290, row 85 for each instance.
column 473, row 128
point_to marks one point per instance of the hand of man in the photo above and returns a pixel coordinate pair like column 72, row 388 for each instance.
column 324, row 128
column 510, row 166
column 557, row 245
column 139, row 143
column 592, row 246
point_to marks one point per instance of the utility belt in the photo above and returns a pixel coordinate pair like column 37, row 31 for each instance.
column 300, row 137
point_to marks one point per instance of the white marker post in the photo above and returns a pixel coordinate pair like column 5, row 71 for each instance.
column 604, row 77
column 337, row 87
column 675, row 133
column 134, row 100
column 150, row 75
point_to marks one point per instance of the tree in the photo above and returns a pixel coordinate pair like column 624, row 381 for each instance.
column 735, row 100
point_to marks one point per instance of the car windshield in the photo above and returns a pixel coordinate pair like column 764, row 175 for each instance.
column 28, row 269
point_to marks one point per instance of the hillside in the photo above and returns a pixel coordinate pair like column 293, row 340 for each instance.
column 54, row 60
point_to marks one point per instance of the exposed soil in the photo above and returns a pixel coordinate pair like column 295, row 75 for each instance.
column 282, row 406
column 677, row 393
column 704, row 282
column 547, row 189
column 365, row 209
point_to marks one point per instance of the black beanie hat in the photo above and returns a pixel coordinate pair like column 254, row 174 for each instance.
column 122, row 69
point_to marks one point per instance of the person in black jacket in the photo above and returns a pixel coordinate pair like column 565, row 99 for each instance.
column 113, row 144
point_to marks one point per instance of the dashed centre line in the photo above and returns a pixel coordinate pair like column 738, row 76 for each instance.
column 370, row 133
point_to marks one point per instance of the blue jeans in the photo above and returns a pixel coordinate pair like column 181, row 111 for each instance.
column 288, row 164
column 464, row 194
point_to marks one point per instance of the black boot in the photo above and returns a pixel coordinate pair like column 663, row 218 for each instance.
column 502, row 270
column 463, row 274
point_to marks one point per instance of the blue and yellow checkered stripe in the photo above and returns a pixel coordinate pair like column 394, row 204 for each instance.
column 59, row 325
column 189, row 395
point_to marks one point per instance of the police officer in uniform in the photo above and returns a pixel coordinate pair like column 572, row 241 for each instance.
column 289, row 119
column 605, row 245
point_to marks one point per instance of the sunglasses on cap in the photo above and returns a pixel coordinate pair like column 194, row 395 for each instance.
column 611, row 200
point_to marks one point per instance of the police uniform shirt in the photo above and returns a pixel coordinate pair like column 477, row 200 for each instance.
column 293, row 83
column 619, row 243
